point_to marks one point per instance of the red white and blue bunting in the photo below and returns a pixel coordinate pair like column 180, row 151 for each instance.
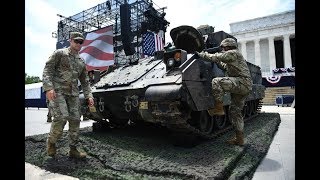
column 278, row 81
column 284, row 70
column 273, row 79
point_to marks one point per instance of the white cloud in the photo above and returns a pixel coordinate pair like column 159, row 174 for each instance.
column 41, row 14
column 41, row 20
column 43, row 39
column 219, row 13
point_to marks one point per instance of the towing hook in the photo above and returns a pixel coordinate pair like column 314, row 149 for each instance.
column 101, row 105
column 127, row 104
column 128, row 107
column 135, row 102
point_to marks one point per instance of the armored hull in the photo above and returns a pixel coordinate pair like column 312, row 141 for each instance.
column 172, row 89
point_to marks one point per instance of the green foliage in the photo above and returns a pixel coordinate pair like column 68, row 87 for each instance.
column 31, row 79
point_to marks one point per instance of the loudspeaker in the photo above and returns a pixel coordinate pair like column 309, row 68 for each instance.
column 128, row 49
column 96, row 75
column 126, row 33
column 125, row 18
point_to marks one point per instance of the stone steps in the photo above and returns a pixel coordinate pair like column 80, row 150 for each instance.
column 272, row 92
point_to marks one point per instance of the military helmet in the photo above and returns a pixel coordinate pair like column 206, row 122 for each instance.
column 229, row 42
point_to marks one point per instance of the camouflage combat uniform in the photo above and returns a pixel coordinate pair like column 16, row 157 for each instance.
column 237, row 81
column 61, row 73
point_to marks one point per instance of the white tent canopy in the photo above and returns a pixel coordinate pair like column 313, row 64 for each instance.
column 33, row 91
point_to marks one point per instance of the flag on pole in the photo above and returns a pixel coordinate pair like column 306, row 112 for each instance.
column 97, row 49
column 152, row 42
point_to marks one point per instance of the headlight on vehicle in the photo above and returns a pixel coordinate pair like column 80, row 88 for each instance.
column 177, row 56
column 170, row 62
column 174, row 59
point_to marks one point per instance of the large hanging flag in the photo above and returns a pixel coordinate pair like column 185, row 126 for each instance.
column 152, row 42
column 278, row 81
column 97, row 49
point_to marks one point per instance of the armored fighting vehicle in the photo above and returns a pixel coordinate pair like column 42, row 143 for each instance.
column 171, row 89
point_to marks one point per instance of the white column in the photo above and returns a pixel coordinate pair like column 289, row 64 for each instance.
column 287, row 51
column 244, row 49
column 257, row 57
column 272, row 55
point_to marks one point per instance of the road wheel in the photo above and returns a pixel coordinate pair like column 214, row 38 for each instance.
column 100, row 126
column 221, row 121
column 206, row 122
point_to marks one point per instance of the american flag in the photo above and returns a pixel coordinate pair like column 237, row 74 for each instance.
column 63, row 44
column 97, row 49
column 152, row 42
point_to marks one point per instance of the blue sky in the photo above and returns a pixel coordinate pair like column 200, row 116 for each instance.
column 41, row 19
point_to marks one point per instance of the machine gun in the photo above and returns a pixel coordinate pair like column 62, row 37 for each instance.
column 213, row 50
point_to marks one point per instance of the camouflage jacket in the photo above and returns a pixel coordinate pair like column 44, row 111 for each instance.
column 233, row 62
column 62, row 72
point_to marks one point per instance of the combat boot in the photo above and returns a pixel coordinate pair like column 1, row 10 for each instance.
column 217, row 109
column 238, row 139
column 76, row 154
column 51, row 149
column 85, row 118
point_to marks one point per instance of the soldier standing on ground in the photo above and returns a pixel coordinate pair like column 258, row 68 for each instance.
column 238, row 82
column 60, row 82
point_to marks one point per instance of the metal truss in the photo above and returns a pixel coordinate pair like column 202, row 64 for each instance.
column 106, row 14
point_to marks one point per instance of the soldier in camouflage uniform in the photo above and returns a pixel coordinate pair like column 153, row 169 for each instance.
column 237, row 82
column 60, row 82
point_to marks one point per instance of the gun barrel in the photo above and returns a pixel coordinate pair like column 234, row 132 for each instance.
column 213, row 50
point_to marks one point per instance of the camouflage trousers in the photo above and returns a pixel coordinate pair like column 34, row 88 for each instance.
column 65, row 108
column 49, row 110
column 238, row 93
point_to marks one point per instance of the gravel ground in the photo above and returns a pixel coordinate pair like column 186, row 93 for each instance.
column 146, row 152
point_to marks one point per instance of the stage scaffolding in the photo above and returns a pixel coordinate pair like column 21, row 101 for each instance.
column 106, row 14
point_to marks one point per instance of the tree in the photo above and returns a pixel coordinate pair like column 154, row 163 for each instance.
column 31, row 79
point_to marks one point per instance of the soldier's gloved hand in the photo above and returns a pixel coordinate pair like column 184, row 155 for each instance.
column 90, row 102
column 51, row 94
column 196, row 55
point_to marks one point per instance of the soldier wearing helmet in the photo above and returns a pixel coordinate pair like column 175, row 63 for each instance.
column 237, row 82
column 229, row 42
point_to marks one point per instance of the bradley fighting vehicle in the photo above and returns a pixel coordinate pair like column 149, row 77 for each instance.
column 172, row 89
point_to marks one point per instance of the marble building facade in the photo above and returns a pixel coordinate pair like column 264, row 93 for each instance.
column 268, row 42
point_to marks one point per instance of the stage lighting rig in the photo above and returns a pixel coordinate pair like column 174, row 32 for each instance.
column 155, row 20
